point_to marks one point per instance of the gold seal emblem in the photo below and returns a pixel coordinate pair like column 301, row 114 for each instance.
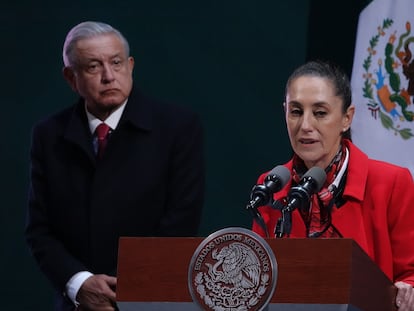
column 232, row 269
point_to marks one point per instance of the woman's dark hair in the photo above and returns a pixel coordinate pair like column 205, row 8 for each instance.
column 331, row 72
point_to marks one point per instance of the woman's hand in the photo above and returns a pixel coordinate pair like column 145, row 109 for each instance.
column 405, row 297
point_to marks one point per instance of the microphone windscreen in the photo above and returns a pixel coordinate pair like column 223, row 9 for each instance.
column 318, row 175
column 280, row 173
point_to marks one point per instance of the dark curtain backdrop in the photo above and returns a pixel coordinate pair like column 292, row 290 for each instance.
column 332, row 30
column 228, row 60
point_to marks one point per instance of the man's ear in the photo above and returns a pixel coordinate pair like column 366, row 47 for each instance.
column 131, row 63
column 69, row 76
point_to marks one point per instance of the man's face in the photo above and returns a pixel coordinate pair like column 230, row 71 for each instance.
column 103, row 74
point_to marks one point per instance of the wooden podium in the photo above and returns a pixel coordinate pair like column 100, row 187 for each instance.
column 313, row 274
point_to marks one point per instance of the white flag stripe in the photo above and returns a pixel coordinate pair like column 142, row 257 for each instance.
column 383, row 125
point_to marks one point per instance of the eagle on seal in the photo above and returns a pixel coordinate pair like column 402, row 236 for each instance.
column 239, row 266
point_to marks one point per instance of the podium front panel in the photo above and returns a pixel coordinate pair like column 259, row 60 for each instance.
column 320, row 274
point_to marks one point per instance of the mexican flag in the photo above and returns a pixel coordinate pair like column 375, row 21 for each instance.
column 383, row 82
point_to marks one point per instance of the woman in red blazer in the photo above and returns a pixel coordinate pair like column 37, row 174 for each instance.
column 367, row 200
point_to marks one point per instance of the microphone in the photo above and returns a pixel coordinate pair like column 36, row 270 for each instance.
column 311, row 183
column 274, row 181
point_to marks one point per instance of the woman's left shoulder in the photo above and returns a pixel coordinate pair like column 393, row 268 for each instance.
column 387, row 169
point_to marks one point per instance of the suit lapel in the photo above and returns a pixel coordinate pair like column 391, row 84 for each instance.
column 77, row 131
column 349, row 218
column 138, row 112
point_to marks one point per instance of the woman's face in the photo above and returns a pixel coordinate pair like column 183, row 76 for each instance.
column 315, row 119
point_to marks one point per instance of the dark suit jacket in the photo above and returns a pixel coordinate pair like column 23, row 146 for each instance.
column 150, row 182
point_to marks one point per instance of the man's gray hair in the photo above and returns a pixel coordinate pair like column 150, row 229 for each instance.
column 87, row 30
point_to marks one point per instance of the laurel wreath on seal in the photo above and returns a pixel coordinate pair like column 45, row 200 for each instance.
column 254, row 297
column 373, row 105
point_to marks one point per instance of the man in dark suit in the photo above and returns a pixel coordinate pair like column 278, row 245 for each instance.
column 148, row 181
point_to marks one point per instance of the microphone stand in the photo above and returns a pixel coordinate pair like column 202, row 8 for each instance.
column 257, row 216
column 284, row 223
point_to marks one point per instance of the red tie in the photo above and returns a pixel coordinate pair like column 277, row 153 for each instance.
column 102, row 134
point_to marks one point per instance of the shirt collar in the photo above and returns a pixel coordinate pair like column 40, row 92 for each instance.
column 112, row 120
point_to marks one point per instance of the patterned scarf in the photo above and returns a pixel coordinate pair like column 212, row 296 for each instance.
column 317, row 217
